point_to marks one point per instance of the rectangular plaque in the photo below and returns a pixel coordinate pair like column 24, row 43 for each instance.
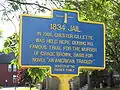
column 61, row 42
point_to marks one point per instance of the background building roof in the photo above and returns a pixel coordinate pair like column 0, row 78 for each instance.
column 6, row 58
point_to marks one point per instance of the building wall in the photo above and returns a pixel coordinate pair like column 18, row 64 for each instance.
column 53, row 83
column 5, row 75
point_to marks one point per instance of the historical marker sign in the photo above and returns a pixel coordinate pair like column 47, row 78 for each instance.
column 62, row 42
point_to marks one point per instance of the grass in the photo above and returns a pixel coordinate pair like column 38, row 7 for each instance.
column 0, row 87
column 106, row 89
column 27, row 88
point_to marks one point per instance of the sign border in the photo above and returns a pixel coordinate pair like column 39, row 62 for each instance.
column 80, row 67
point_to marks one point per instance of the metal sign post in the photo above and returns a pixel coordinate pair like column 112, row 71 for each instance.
column 64, row 82
column 63, row 43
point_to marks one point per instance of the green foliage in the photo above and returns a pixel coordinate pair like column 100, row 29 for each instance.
column 12, row 45
column 38, row 73
column 1, row 86
column 93, row 10
column 106, row 11
column 1, row 33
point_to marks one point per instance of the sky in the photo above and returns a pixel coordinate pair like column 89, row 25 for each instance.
column 9, row 27
column 6, row 26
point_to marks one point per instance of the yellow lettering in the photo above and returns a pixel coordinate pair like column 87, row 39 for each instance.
column 38, row 60
column 52, row 47
column 80, row 55
column 40, row 40
column 57, row 27
column 47, row 34
column 70, row 70
column 64, row 42
column 90, row 43
column 88, row 55
column 51, row 60
column 63, row 60
column 59, row 69
column 39, row 33
column 52, row 41
column 78, row 43
column 63, row 54
column 67, row 48
column 44, row 53
column 74, row 28
column 84, row 61
column 87, row 49
column 33, row 46
column 76, row 48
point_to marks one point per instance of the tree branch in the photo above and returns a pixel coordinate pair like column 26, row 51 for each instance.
column 54, row 3
column 26, row 3
column 9, row 18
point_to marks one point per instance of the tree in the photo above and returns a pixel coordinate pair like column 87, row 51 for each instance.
column 0, row 33
column 106, row 11
column 113, row 39
column 9, row 13
column 23, row 76
column 12, row 45
column 11, row 9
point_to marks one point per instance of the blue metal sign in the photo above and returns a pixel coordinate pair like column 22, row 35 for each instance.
column 62, row 42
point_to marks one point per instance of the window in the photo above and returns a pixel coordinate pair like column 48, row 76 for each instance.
column 14, row 68
column 14, row 78
column 9, row 68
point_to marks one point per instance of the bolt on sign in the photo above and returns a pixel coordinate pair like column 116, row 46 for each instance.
column 61, row 42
